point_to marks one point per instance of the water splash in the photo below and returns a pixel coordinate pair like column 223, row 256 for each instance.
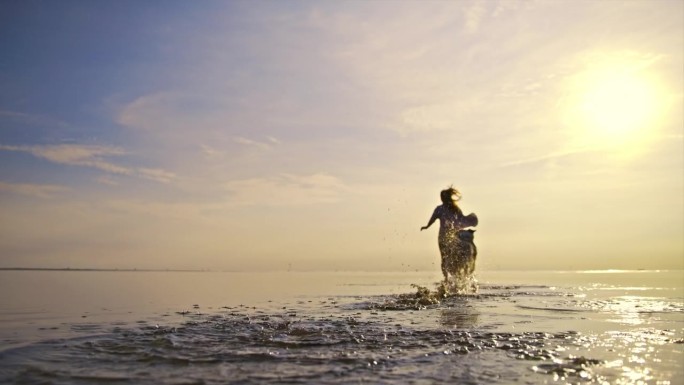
column 461, row 284
column 424, row 298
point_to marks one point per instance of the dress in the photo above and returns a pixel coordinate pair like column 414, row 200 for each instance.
column 457, row 252
column 450, row 221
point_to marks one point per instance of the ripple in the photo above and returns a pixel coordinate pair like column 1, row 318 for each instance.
column 428, row 335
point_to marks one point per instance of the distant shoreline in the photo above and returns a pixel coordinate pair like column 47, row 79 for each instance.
column 133, row 270
column 96, row 269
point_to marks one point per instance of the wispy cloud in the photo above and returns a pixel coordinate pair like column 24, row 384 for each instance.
column 209, row 151
column 34, row 190
column 546, row 157
column 106, row 179
column 90, row 156
column 77, row 155
column 156, row 174
column 149, row 112
column 473, row 16
column 266, row 144
column 33, row 119
column 286, row 190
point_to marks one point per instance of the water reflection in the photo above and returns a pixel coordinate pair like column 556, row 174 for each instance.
column 460, row 315
column 634, row 310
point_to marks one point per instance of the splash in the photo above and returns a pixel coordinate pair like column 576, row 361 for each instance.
column 424, row 298
column 459, row 255
column 460, row 284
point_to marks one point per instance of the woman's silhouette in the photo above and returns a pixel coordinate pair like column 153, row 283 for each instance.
column 452, row 245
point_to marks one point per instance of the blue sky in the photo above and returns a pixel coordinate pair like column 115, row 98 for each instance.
column 317, row 135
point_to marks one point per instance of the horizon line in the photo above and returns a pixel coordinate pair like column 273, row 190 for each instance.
column 86, row 269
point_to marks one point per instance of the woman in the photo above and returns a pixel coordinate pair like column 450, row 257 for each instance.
column 457, row 254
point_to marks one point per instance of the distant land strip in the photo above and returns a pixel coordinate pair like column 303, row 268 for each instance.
column 95, row 269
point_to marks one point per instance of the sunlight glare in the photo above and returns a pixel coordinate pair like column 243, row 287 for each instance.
column 615, row 105
column 618, row 105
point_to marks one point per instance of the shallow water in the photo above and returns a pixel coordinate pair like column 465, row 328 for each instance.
column 206, row 328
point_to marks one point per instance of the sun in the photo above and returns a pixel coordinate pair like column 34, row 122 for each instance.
column 614, row 105
column 618, row 105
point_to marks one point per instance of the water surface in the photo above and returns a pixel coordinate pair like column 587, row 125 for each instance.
column 210, row 327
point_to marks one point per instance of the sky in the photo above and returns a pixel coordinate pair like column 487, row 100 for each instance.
column 308, row 135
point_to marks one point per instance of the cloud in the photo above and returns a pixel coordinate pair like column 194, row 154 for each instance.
column 35, row 190
column 544, row 158
column 149, row 112
column 156, row 174
column 78, row 155
column 505, row 6
column 438, row 116
column 107, row 180
column 270, row 141
column 90, row 156
column 286, row 190
column 473, row 17
column 423, row 76
column 32, row 119
column 209, row 151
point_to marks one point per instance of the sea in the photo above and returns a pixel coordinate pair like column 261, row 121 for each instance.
column 203, row 327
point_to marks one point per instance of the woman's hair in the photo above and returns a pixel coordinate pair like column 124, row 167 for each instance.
column 446, row 196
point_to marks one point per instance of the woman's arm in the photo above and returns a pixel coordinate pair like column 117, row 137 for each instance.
column 432, row 220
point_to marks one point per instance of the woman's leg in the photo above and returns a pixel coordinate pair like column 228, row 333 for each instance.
column 443, row 253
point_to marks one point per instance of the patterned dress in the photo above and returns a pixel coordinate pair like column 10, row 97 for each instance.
column 456, row 246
